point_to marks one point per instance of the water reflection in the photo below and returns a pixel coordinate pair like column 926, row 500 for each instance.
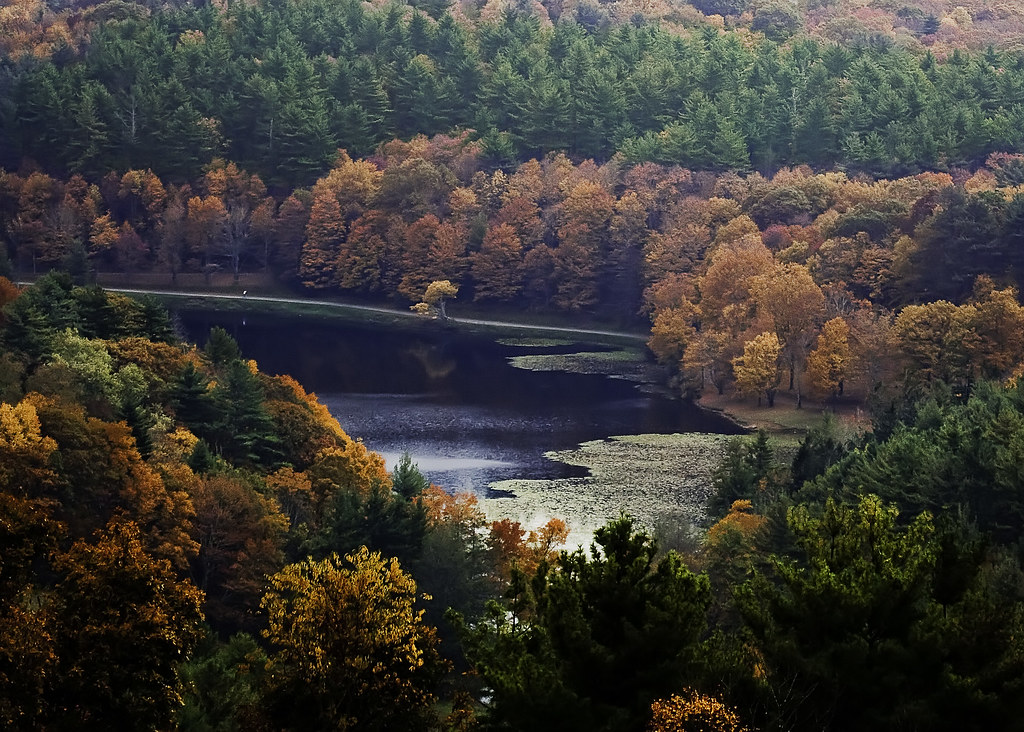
column 452, row 401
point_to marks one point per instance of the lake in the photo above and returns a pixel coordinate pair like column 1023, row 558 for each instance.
column 453, row 401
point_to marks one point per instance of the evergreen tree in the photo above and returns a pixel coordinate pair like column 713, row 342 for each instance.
column 244, row 432
column 604, row 636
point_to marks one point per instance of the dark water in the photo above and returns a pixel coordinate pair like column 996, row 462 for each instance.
column 452, row 401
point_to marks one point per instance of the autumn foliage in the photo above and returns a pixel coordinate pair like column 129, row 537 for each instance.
column 693, row 711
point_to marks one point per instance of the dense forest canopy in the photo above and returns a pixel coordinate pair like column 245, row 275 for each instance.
column 824, row 200
column 278, row 88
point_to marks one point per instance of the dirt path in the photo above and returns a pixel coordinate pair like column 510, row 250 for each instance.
column 642, row 337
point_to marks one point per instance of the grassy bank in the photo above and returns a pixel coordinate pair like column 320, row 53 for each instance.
column 524, row 326
column 786, row 423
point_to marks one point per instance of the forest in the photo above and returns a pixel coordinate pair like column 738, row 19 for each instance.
column 823, row 201
column 191, row 543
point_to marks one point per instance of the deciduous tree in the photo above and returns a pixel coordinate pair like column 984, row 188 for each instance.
column 829, row 364
column 692, row 710
column 350, row 648
column 124, row 622
column 757, row 370
column 497, row 267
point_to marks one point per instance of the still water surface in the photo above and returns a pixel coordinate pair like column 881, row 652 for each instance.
column 453, row 401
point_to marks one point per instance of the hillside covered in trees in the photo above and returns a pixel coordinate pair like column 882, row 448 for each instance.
column 189, row 542
column 824, row 199
column 683, row 162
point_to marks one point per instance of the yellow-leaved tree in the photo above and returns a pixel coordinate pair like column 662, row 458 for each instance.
column 829, row 363
column 24, row 450
column 757, row 370
column 437, row 294
column 692, row 710
column 351, row 650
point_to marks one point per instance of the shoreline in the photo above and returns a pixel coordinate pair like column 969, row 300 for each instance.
column 266, row 299
column 785, row 422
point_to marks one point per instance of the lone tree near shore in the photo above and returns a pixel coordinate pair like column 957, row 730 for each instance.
column 437, row 294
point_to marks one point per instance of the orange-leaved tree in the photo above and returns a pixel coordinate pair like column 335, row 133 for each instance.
column 124, row 622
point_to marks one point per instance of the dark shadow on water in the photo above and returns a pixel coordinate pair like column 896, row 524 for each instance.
column 452, row 401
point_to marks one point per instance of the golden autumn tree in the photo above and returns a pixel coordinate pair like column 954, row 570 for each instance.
column 205, row 225
column 351, row 650
column 829, row 364
column 731, row 551
column 437, row 293
column 354, row 183
column 523, row 215
column 24, row 451
column 102, row 235
column 289, row 232
column 672, row 332
column 576, row 267
column 366, row 260
column 79, row 208
column 144, row 195
column 757, row 370
column 446, row 258
column 741, row 519
column 418, row 240
column 999, row 328
column 788, row 297
column 710, row 354
column 171, row 242
column 31, row 229
column 692, row 711
column 101, row 460
column 349, row 467
column 937, row 339
column 242, row 193
column 725, row 288
column 628, row 233
column 583, row 241
column 294, row 493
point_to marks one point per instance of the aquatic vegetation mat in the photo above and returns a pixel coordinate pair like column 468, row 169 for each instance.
column 534, row 342
column 662, row 480
column 629, row 364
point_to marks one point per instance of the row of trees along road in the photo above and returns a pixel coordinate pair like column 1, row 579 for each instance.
column 809, row 282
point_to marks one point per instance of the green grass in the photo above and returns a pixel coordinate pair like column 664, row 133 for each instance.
column 337, row 312
column 354, row 313
column 784, row 422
